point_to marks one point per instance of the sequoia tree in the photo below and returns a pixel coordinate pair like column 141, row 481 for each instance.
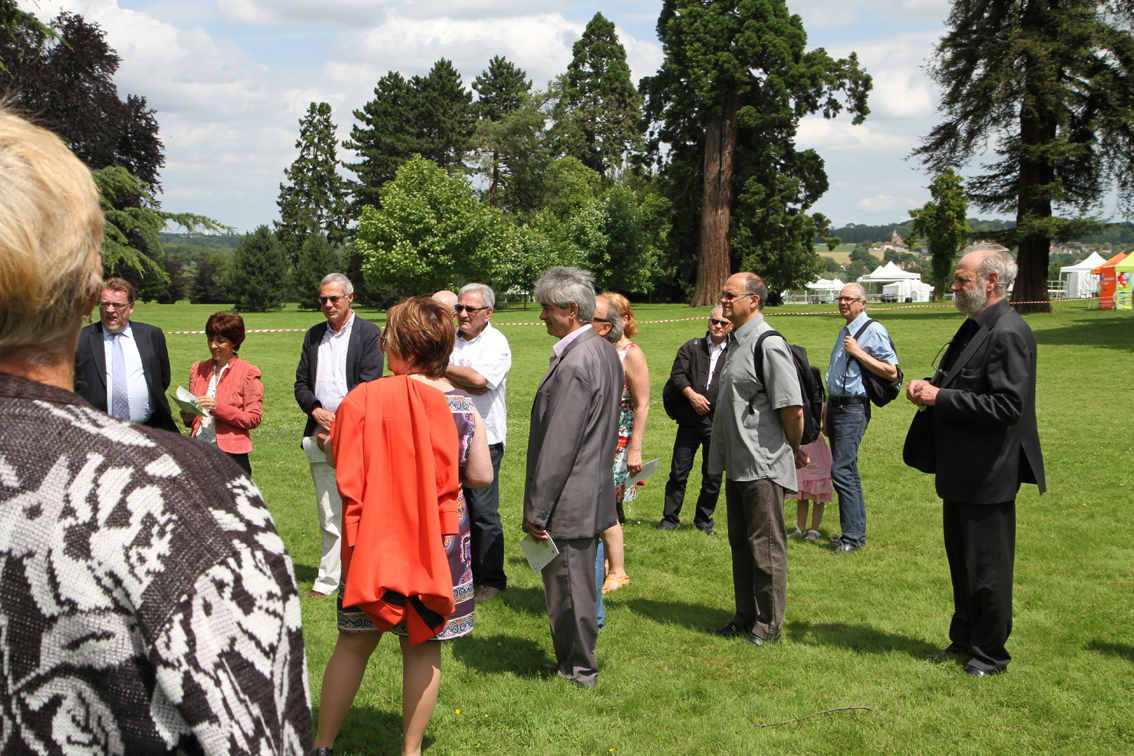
column 1049, row 85
column 727, row 101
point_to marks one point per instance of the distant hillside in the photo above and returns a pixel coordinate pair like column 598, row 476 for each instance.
column 206, row 241
column 853, row 233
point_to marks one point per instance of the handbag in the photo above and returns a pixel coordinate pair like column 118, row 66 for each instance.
column 920, row 451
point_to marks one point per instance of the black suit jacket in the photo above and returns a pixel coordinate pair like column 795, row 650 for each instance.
column 90, row 370
column 363, row 363
column 691, row 368
column 981, row 438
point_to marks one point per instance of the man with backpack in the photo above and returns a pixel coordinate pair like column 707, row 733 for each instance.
column 862, row 343
column 757, row 430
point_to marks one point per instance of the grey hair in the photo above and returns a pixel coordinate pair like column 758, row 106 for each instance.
column 1003, row 265
column 754, row 286
column 564, row 285
column 341, row 280
column 860, row 288
column 487, row 295
column 614, row 317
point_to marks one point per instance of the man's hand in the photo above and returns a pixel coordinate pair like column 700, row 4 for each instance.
column 321, row 439
column 922, row 393
column 187, row 419
column 538, row 534
column 699, row 402
column 801, row 459
column 477, row 391
column 323, row 417
column 851, row 347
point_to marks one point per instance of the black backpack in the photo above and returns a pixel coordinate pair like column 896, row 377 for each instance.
column 879, row 390
column 812, row 396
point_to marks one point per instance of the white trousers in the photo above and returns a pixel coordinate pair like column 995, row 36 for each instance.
column 330, row 508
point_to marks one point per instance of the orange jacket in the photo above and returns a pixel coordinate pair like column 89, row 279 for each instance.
column 240, row 402
column 396, row 464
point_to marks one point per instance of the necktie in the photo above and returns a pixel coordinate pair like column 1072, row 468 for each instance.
column 119, row 393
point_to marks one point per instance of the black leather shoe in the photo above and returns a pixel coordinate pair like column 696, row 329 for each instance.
column 323, row 752
column 758, row 641
column 731, row 630
column 843, row 547
column 951, row 651
column 666, row 525
column 707, row 531
column 978, row 673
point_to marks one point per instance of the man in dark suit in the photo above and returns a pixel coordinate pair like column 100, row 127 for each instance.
column 122, row 368
column 694, row 378
column 337, row 355
column 976, row 430
column 569, row 492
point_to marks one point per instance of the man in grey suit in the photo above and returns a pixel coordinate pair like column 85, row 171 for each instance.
column 569, row 492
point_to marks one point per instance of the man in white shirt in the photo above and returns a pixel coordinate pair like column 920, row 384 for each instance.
column 480, row 364
column 338, row 354
column 122, row 368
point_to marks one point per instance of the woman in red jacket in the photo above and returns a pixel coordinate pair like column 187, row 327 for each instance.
column 229, row 389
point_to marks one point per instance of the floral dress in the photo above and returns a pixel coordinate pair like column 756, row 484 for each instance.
column 625, row 430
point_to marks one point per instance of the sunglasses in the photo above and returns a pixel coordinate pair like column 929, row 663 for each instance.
column 332, row 300
column 465, row 308
column 714, row 321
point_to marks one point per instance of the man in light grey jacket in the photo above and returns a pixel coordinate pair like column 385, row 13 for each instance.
column 569, row 492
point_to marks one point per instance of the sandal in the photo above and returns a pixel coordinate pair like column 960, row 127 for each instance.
column 812, row 535
column 613, row 583
column 797, row 534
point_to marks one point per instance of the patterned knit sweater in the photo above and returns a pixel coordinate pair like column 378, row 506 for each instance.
column 147, row 604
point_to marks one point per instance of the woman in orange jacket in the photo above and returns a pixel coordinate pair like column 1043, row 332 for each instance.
column 228, row 389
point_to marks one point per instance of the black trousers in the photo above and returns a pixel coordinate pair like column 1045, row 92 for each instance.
column 689, row 439
column 980, row 542
column 485, row 528
column 758, row 541
column 242, row 460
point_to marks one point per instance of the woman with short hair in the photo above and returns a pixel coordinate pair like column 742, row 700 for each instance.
column 228, row 389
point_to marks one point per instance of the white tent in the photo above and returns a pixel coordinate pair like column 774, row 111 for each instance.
column 824, row 290
column 1080, row 281
column 888, row 273
column 908, row 290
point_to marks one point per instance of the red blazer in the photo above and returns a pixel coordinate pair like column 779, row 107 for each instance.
column 396, row 464
column 240, row 402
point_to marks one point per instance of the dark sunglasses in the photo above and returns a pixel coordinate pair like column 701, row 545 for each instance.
column 714, row 321
column 465, row 308
column 332, row 300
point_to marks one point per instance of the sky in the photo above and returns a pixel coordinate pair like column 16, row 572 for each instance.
column 230, row 80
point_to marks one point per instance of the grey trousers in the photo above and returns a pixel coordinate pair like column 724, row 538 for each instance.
column 758, row 540
column 572, row 608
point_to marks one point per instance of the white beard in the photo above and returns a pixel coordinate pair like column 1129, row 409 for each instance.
column 972, row 302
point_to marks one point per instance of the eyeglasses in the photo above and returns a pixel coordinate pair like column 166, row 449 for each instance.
column 728, row 297
column 933, row 363
column 470, row 310
column 850, row 299
column 332, row 300
column 714, row 321
column 112, row 305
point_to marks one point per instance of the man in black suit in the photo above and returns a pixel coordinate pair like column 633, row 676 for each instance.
column 122, row 368
column 694, row 379
column 569, row 493
column 976, row 430
column 337, row 355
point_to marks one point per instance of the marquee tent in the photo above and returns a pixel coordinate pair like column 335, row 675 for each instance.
column 1081, row 281
column 908, row 291
column 1108, row 281
column 888, row 273
column 824, row 290
column 1123, row 272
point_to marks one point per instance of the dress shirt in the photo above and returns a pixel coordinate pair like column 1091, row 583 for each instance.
column 330, row 376
column 844, row 376
column 489, row 355
column 715, row 352
column 749, row 441
column 565, row 341
column 135, row 376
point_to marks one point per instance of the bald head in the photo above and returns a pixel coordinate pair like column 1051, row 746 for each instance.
column 447, row 298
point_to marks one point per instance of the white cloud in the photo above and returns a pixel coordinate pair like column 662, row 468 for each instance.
column 354, row 13
column 825, row 135
column 827, row 14
column 882, row 204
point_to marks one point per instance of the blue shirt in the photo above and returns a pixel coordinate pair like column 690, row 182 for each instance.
column 844, row 376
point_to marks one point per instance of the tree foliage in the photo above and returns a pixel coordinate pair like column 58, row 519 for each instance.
column 430, row 231
column 941, row 222
column 257, row 276
column 313, row 198
column 726, row 101
column 503, row 90
column 316, row 259
column 598, row 117
column 1050, row 87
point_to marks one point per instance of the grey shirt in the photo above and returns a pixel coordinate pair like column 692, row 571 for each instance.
column 749, row 441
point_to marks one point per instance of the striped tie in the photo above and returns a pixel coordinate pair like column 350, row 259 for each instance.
column 120, row 394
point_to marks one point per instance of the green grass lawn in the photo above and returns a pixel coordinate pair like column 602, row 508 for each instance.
column 857, row 628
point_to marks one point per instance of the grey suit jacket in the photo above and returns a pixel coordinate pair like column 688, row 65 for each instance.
column 574, row 431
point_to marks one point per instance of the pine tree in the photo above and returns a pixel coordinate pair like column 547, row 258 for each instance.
column 257, row 276
column 446, row 117
column 316, row 259
column 598, row 118
column 1051, row 85
column 727, row 101
column 503, row 90
column 387, row 136
column 313, row 198
column 941, row 222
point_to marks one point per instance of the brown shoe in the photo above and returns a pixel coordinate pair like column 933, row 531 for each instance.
column 487, row 594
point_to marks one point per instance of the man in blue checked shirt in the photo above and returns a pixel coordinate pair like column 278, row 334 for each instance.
column 848, row 408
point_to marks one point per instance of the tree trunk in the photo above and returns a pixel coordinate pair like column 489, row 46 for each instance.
column 492, row 201
column 713, row 260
